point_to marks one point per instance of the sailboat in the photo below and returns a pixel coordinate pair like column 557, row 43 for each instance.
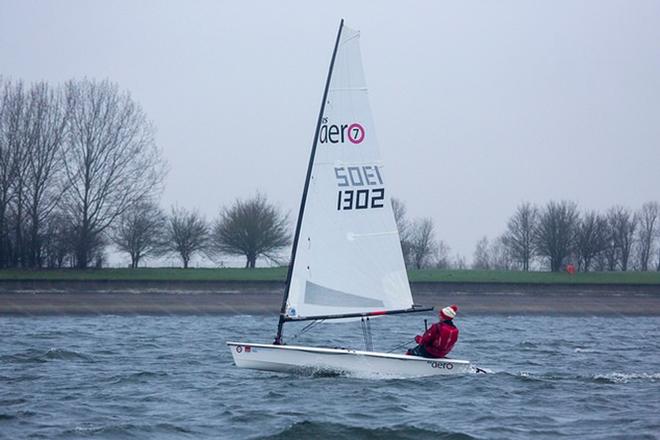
column 346, row 261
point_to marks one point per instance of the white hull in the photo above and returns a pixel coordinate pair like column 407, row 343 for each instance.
column 297, row 359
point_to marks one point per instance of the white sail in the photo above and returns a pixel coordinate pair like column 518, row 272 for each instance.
column 348, row 258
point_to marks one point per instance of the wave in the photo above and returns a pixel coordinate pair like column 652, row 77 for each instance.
column 137, row 377
column 613, row 377
column 478, row 370
column 8, row 402
column 308, row 429
column 67, row 355
column 527, row 344
column 589, row 350
column 17, row 415
column 319, row 372
column 125, row 430
column 546, row 378
column 39, row 356
column 626, row 377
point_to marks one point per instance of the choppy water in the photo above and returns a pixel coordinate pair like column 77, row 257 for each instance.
column 172, row 377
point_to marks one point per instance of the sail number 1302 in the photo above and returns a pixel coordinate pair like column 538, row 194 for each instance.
column 355, row 191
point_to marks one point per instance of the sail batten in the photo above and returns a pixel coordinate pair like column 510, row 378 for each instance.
column 349, row 89
column 347, row 256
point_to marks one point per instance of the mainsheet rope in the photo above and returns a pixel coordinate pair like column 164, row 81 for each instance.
column 307, row 328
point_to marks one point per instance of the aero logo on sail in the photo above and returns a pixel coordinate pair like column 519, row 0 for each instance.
column 339, row 134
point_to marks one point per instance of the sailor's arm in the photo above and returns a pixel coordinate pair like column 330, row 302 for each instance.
column 428, row 336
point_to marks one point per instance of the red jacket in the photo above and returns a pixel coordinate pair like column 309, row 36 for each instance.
column 439, row 339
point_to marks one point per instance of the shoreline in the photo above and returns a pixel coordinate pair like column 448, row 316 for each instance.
column 28, row 298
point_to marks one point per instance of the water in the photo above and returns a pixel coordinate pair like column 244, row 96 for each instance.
column 172, row 377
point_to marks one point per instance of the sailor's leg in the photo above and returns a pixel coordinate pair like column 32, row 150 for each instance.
column 417, row 351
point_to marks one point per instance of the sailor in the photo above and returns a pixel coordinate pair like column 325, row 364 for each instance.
column 440, row 338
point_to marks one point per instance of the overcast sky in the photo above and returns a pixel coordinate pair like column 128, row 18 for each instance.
column 478, row 105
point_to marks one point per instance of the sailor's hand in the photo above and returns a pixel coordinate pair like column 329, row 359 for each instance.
column 418, row 338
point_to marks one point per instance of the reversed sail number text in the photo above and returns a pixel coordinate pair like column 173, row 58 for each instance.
column 357, row 178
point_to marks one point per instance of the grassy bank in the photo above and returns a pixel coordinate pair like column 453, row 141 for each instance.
column 279, row 274
column 149, row 274
column 494, row 276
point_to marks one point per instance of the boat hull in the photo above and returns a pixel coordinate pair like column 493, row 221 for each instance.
column 300, row 359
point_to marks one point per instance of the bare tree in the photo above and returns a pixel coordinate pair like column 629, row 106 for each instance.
column 57, row 242
column 646, row 234
column 251, row 228
column 442, row 256
column 423, row 247
column 500, row 258
column 459, row 262
column 186, row 233
column 590, row 239
column 622, row 223
column 481, row 259
column 399, row 209
column 139, row 231
column 22, row 117
column 519, row 237
column 7, row 166
column 111, row 161
column 657, row 267
column 32, row 124
column 43, row 164
column 555, row 233
column 611, row 252
column 12, row 138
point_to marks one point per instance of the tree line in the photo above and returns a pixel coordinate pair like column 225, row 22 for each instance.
column 73, row 158
column 80, row 170
column 535, row 238
column 253, row 228
column 559, row 234
column 549, row 237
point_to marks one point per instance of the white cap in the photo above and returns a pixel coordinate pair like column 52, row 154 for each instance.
column 449, row 312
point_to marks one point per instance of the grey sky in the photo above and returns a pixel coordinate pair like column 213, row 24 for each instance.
column 478, row 105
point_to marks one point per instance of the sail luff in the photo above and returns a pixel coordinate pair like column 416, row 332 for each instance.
column 301, row 212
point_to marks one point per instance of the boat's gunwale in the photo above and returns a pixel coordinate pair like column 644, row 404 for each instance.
column 348, row 351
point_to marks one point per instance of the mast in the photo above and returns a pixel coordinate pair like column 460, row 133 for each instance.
column 280, row 324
